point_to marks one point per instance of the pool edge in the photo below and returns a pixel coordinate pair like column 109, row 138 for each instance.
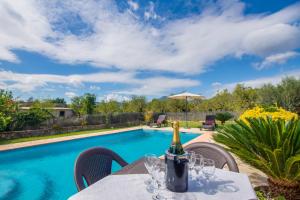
column 19, row 145
column 203, row 137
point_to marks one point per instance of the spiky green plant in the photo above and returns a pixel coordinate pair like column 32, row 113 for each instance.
column 268, row 145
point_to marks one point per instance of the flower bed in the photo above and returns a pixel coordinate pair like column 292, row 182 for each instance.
column 273, row 112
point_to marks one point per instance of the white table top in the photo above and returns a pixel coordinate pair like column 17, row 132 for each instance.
column 225, row 186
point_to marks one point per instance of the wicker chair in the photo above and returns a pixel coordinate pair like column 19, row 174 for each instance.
column 93, row 165
column 214, row 152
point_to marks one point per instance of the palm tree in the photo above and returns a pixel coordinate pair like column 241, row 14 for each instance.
column 270, row 146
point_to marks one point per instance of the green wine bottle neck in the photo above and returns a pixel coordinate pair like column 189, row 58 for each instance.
column 176, row 147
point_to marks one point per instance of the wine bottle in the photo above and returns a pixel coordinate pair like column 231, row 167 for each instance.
column 177, row 164
column 176, row 147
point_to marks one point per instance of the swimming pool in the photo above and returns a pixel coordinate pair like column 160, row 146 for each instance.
column 46, row 171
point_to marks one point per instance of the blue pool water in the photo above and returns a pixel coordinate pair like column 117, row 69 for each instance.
column 46, row 171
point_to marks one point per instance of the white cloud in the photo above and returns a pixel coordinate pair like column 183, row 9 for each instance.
column 115, row 97
column 70, row 94
column 94, row 87
column 272, row 39
column 22, row 26
column 150, row 12
column 279, row 58
column 30, row 82
column 133, row 5
column 160, row 86
column 135, row 86
column 120, row 40
column 216, row 84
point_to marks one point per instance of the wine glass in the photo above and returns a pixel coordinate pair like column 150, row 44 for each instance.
column 208, row 168
column 159, row 172
column 198, row 166
column 150, row 161
column 191, row 155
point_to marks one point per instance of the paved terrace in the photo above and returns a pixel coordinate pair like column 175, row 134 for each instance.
column 256, row 177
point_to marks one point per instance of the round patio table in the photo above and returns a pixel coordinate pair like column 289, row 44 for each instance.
column 128, row 183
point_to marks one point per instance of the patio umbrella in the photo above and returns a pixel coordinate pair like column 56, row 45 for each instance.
column 186, row 96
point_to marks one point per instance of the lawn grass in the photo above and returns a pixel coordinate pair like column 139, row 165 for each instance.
column 198, row 124
column 27, row 139
column 191, row 124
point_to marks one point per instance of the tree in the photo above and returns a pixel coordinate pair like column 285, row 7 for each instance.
column 59, row 101
column 222, row 101
column 84, row 105
column 244, row 97
column 268, row 95
column 175, row 105
column 157, row 105
column 8, row 109
column 289, row 90
column 8, row 106
column 111, row 106
column 76, row 105
column 42, row 104
column 136, row 104
column 89, row 103
column 4, row 122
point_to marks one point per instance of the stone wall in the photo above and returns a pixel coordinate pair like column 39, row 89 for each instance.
column 60, row 130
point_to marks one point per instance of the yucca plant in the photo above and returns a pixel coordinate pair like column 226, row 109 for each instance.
column 272, row 146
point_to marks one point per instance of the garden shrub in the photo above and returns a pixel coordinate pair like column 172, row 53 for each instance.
column 224, row 116
column 4, row 122
column 31, row 118
column 273, row 112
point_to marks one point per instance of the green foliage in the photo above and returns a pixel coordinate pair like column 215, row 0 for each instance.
column 224, row 116
column 222, row 101
column 8, row 108
column 270, row 146
column 148, row 116
column 261, row 196
column 31, row 118
column 8, row 105
column 42, row 104
column 111, row 106
column 76, row 105
column 268, row 95
column 4, row 122
column 84, row 105
column 89, row 103
column 157, row 105
column 289, row 91
column 175, row 105
column 57, row 102
column 244, row 97
column 285, row 94
column 136, row 104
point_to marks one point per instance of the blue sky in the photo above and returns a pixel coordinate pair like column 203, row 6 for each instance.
column 116, row 49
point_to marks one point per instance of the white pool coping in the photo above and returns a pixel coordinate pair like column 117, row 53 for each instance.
column 6, row 147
